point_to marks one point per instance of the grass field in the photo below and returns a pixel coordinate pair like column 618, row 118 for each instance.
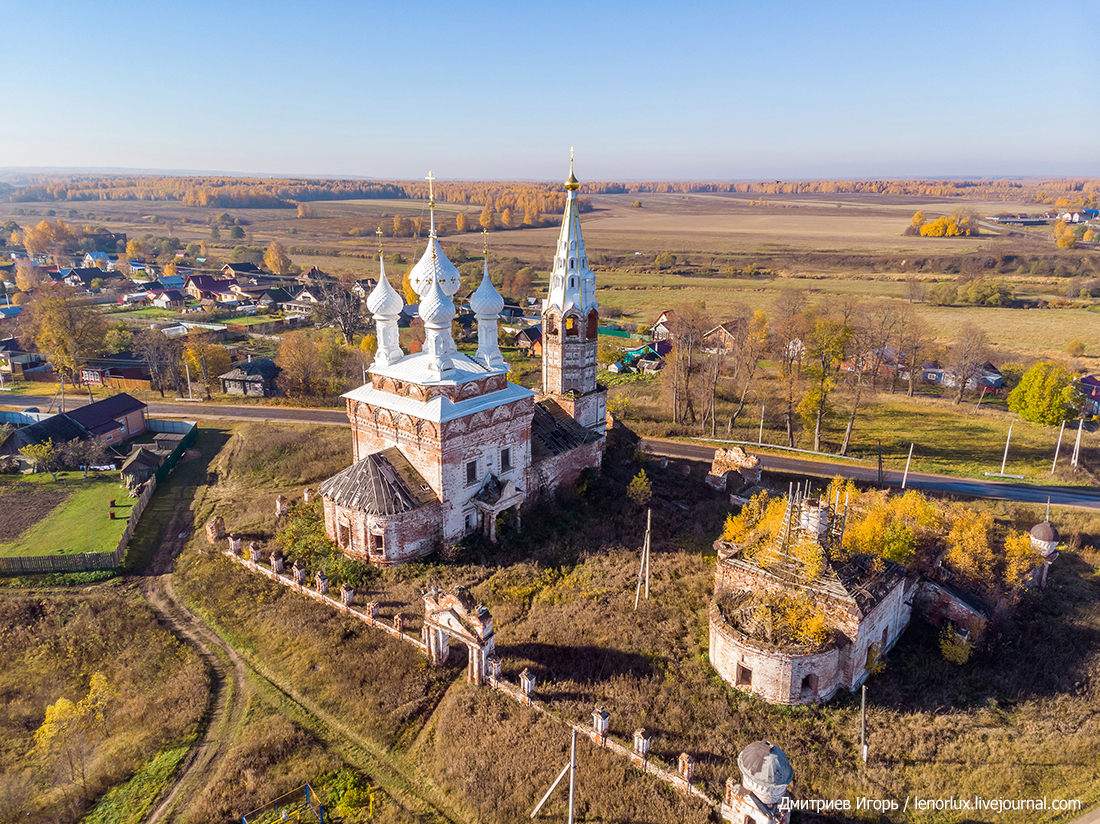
column 63, row 517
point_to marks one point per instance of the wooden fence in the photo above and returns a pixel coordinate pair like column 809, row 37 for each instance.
column 86, row 560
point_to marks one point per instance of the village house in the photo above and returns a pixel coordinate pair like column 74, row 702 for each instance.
column 254, row 378
column 112, row 420
column 444, row 443
column 723, row 338
column 662, row 329
column 232, row 271
column 529, row 340
column 170, row 299
column 1090, row 389
column 206, row 287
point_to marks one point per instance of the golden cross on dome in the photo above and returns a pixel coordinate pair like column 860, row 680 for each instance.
column 431, row 192
column 378, row 232
column 485, row 235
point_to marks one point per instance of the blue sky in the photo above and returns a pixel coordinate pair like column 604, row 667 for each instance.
column 643, row 90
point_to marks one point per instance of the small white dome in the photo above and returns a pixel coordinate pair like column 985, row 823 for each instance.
column 383, row 299
column 486, row 300
column 434, row 261
column 436, row 307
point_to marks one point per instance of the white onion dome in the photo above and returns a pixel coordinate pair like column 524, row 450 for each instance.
column 436, row 306
column 383, row 300
column 486, row 300
column 765, row 771
column 433, row 261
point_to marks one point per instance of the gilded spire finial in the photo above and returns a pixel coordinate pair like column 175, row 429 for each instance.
column 378, row 232
column 485, row 237
column 431, row 200
column 572, row 184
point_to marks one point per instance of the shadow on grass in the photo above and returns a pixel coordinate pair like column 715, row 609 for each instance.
column 579, row 664
column 177, row 491
column 1044, row 649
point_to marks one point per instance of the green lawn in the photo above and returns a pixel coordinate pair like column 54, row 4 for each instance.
column 79, row 523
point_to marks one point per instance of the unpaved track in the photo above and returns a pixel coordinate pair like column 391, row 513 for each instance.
column 228, row 681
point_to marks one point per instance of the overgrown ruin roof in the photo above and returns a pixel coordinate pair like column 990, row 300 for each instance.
column 554, row 432
column 383, row 483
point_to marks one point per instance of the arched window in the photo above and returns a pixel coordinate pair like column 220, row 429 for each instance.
column 571, row 326
column 572, row 282
column 593, row 329
column 572, row 263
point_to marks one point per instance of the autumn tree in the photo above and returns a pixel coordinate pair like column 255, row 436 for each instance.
column 872, row 332
column 299, row 359
column 83, row 454
column 135, row 249
column 640, row 489
column 207, row 361
column 462, row 222
column 119, row 338
column 66, row 331
column 967, row 357
column 689, row 324
column 161, row 354
column 341, row 308
column 531, row 216
column 44, row 456
column 1047, row 393
column 28, row 276
column 914, row 343
column 826, row 345
column 411, row 297
column 47, row 237
column 749, row 346
column 506, row 219
column 487, row 219
column 276, row 259
column 788, row 328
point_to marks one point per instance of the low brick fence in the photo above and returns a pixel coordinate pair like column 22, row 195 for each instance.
column 638, row 755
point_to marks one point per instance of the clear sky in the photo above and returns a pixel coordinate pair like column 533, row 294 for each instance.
column 643, row 90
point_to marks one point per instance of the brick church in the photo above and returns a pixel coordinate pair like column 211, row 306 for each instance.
column 444, row 443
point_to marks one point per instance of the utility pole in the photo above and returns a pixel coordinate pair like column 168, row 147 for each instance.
column 572, row 774
column 881, row 477
column 905, row 477
column 643, row 565
column 863, row 724
column 1077, row 444
column 760, row 437
column 1058, row 448
column 1008, row 440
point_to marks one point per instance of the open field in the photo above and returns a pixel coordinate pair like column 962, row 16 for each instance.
column 63, row 517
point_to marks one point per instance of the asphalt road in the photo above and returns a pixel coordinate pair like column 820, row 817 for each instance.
column 1025, row 493
column 974, row 488
column 200, row 410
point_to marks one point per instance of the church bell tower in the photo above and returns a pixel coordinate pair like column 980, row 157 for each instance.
column 570, row 323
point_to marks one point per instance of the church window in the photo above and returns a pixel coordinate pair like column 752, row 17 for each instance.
column 744, row 676
column 593, row 329
column 471, row 472
column 809, row 685
column 572, row 283
column 571, row 327
column 505, row 460
column 344, row 535
column 572, row 265
column 469, row 520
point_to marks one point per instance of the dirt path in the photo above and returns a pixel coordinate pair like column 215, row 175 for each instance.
column 233, row 682
column 228, row 676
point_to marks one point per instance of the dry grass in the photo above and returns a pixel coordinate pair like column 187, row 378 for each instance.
column 52, row 645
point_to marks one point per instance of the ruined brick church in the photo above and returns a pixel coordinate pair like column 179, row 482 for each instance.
column 443, row 443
